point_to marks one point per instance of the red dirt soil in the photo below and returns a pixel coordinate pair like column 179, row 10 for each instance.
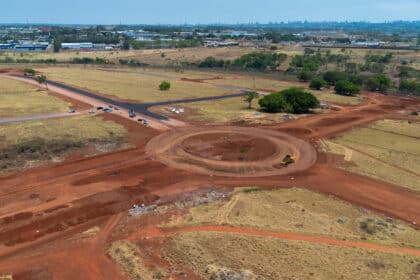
column 229, row 147
column 42, row 209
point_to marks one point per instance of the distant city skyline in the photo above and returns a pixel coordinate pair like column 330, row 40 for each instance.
column 200, row 12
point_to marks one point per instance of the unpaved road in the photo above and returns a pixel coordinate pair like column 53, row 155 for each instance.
column 41, row 117
column 164, row 232
column 63, row 199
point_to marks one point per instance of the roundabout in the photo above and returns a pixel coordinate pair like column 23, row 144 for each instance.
column 231, row 151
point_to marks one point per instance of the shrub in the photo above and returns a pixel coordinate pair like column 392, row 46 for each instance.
column 332, row 77
column 317, row 83
column 165, row 85
column 409, row 87
column 344, row 87
column 378, row 83
column 304, row 76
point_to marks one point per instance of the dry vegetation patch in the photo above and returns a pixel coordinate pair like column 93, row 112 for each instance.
column 127, row 255
column 20, row 99
column 305, row 212
column 267, row 258
column 386, row 150
column 23, row 144
column 133, row 85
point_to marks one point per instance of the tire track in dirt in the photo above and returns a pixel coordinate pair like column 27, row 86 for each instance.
column 157, row 232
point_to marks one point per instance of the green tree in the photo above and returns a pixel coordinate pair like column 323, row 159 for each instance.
column 378, row 83
column 304, row 76
column 42, row 79
column 29, row 71
column 165, row 85
column 274, row 103
column 344, row 87
column 299, row 101
column 250, row 96
column 293, row 100
column 317, row 83
column 332, row 77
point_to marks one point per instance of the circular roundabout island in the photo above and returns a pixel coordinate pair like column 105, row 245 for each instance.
column 232, row 151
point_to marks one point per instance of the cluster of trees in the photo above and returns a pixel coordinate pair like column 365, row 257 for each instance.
column 350, row 84
column 132, row 62
column 9, row 59
column 88, row 60
column 379, row 58
column 293, row 100
column 260, row 61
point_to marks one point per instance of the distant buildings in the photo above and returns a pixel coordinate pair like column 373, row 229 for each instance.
column 87, row 46
column 26, row 47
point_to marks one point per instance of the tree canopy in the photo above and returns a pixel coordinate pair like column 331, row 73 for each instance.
column 293, row 100
column 165, row 85
column 344, row 87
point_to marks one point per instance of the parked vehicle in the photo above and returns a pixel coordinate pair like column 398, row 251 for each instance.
column 71, row 111
column 106, row 110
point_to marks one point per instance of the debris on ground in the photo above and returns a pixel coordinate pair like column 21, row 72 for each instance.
column 176, row 110
column 141, row 209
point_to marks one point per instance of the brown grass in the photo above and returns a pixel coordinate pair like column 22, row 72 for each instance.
column 268, row 258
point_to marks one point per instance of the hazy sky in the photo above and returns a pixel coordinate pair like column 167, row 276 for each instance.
column 200, row 11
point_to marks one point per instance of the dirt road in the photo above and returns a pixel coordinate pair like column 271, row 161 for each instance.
column 64, row 199
column 164, row 232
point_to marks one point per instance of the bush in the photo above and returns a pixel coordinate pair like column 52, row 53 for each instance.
column 211, row 62
column 165, row 85
column 293, row 100
column 304, row 76
column 332, row 77
column 344, row 87
column 378, row 83
column 317, row 83
column 29, row 71
column 410, row 87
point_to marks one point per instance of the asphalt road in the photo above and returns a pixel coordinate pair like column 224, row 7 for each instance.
column 143, row 108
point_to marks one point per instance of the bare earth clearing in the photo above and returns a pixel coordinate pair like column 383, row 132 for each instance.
column 58, row 222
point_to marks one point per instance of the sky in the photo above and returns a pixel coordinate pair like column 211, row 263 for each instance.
column 205, row 11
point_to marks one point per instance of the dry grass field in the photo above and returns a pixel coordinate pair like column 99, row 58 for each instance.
column 128, row 257
column 215, row 255
column 26, row 143
column 154, row 57
column 386, row 150
column 302, row 211
column 224, row 110
column 133, row 85
column 19, row 99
